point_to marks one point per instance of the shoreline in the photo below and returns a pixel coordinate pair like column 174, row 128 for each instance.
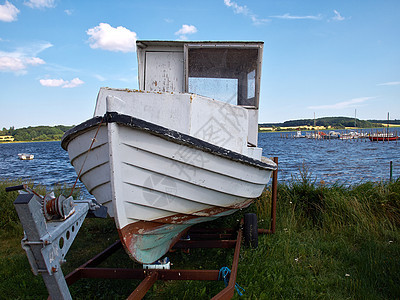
column 19, row 142
column 291, row 129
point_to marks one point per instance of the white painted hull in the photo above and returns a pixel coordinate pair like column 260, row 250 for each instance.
column 156, row 185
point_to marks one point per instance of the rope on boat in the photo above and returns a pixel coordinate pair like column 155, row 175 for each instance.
column 87, row 154
column 225, row 274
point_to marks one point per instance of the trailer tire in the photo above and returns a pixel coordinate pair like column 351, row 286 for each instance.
column 250, row 231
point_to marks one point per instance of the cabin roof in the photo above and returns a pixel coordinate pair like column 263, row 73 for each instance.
column 147, row 43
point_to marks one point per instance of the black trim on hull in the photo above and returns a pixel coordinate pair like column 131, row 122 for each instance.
column 165, row 133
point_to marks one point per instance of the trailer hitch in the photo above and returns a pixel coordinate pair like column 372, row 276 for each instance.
column 50, row 227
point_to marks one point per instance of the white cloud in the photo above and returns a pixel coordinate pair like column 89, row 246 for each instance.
column 390, row 83
column 238, row 9
column 52, row 82
column 290, row 17
column 106, row 37
column 10, row 63
column 8, row 12
column 40, row 3
column 22, row 58
column 34, row 61
column 345, row 104
column 68, row 11
column 61, row 83
column 185, row 30
column 73, row 83
column 337, row 16
column 244, row 10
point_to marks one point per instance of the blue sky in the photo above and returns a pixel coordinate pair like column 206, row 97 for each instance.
column 324, row 57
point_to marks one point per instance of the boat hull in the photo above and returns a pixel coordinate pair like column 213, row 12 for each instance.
column 383, row 138
column 156, row 183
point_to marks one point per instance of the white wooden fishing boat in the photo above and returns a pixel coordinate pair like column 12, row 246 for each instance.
column 171, row 155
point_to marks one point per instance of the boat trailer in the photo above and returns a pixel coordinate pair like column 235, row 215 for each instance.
column 51, row 225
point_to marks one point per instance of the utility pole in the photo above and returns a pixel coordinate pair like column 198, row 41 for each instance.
column 355, row 118
column 314, row 119
column 387, row 129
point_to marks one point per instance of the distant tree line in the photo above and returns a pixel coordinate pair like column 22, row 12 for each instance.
column 48, row 133
column 393, row 122
column 334, row 122
column 37, row 133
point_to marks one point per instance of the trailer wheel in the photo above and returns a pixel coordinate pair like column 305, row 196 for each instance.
column 250, row 230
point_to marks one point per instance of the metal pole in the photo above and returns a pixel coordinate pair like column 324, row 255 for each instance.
column 391, row 170
column 387, row 129
column 273, row 201
column 274, row 195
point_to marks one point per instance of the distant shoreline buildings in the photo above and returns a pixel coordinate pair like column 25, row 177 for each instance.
column 6, row 138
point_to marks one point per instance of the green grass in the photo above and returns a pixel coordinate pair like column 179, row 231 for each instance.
column 331, row 242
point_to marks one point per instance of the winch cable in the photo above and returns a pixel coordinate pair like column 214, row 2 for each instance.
column 87, row 154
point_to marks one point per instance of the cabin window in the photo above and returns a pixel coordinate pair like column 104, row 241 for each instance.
column 222, row 89
column 251, row 84
column 225, row 74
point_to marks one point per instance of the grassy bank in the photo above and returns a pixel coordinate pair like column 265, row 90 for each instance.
column 332, row 242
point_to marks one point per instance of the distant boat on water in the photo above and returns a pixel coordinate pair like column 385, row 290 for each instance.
column 351, row 135
column 334, row 135
column 320, row 135
column 299, row 135
column 24, row 156
column 382, row 138
column 377, row 137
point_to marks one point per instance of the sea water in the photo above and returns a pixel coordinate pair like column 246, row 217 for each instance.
column 50, row 165
column 329, row 161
